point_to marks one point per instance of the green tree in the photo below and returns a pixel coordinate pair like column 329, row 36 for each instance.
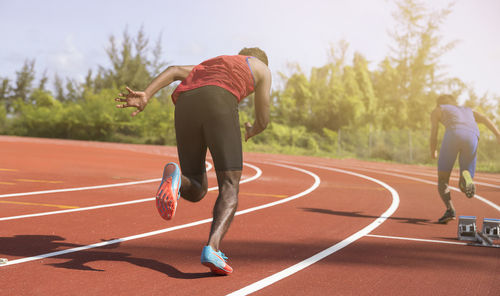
column 133, row 63
column 391, row 109
column 24, row 80
column 293, row 106
column 3, row 119
column 365, row 84
column 416, row 59
column 5, row 94
column 330, row 98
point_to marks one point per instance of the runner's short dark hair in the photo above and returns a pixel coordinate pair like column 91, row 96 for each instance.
column 255, row 52
column 446, row 100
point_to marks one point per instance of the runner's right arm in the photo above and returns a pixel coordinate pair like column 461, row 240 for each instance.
column 139, row 99
column 171, row 74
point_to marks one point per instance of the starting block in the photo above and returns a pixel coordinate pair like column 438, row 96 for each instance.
column 491, row 228
column 467, row 228
column 467, row 231
column 483, row 239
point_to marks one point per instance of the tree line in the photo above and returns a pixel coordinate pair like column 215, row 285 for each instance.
column 342, row 108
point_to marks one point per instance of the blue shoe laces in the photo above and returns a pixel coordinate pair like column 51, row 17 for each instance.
column 222, row 255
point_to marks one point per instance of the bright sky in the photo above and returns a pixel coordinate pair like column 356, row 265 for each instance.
column 70, row 37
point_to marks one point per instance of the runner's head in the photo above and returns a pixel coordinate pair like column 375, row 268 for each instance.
column 255, row 52
column 446, row 100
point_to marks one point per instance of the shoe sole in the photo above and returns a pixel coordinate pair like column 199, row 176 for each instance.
column 166, row 202
column 215, row 269
column 445, row 221
column 469, row 185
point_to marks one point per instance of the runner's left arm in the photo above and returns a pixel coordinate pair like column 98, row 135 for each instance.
column 261, row 100
column 139, row 99
column 481, row 118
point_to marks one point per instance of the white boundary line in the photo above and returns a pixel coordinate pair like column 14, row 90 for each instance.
column 486, row 201
column 419, row 171
column 257, row 175
column 417, row 239
column 208, row 166
column 458, row 178
column 77, row 209
column 321, row 255
column 119, row 240
column 434, row 175
column 80, row 188
column 317, row 181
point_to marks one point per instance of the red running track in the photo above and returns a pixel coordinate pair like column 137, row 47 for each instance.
column 291, row 210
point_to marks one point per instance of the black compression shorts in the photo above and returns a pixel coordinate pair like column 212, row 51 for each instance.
column 208, row 117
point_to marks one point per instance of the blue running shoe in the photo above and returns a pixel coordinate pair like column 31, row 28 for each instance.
column 169, row 191
column 215, row 260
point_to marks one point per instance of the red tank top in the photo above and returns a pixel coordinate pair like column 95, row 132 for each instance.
column 232, row 73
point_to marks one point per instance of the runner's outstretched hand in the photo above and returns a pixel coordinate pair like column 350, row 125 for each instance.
column 135, row 99
column 248, row 131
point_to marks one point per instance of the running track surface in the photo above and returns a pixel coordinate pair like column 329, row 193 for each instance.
column 305, row 226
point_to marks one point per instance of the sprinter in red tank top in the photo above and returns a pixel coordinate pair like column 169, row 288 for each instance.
column 232, row 73
column 206, row 116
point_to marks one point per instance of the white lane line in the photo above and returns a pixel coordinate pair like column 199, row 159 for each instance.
column 317, row 181
column 106, row 243
column 77, row 210
column 257, row 174
column 142, row 235
column 321, row 255
column 434, row 175
column 208, row 165
column 417, row 239
column 455, row 173
column 80, row 188
column 486, row 201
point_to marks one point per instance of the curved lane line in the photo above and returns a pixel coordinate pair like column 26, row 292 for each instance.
column 317, row 181
column 147, row 234
column 77, row 209
column 455, row 173
column 258, row 173
column 208, row 166
column 434, row 175
column 417, row 239
column 79, row 188
column 486, row 201
column 321, row 255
